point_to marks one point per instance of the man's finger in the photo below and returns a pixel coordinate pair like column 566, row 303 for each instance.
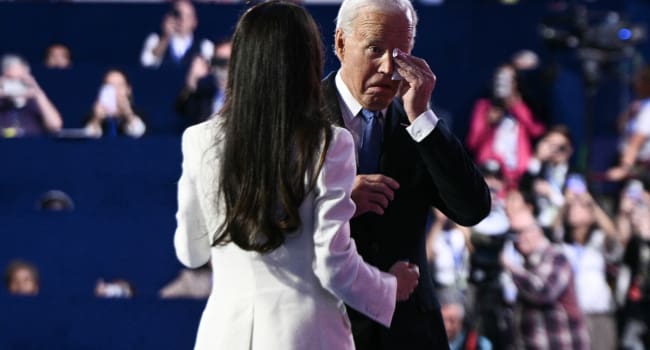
column 389, row 181
column 378, row 198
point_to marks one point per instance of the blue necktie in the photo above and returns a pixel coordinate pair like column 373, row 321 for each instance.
column 370, row 142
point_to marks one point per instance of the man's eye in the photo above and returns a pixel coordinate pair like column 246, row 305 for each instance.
column 375, row 50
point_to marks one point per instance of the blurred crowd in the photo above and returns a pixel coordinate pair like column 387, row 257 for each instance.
column 552, row 253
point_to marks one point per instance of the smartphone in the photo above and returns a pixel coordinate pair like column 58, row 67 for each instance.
column 634, row 190
column 13, row 88
column 108, row 99
column 576, row 183
column 503, row 83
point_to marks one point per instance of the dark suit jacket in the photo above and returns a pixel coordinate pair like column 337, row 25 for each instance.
column 434, row 172
column 195, row 107
column 170, row 62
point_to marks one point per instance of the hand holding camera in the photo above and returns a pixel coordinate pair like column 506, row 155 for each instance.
column 23, row 87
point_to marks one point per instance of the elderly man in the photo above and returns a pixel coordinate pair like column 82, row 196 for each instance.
column 25, row 110
column 547, row 312
column 408, row 161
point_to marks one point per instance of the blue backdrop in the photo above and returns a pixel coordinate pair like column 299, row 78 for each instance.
column 124, row 189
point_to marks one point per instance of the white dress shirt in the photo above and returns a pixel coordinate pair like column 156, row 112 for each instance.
column 350, row 108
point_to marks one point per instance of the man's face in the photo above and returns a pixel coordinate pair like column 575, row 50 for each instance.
column 186, row 17
column 527, row 232
column 561, row 147
column 366, row 56
column 453, row 319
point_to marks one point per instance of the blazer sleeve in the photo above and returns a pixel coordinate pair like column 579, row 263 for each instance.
column 462, row 194
column 191, row 239
column 338, row 266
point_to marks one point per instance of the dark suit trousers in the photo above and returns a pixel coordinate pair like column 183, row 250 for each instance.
column 411, row 328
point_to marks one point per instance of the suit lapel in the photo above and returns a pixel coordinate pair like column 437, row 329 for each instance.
column 332, row 107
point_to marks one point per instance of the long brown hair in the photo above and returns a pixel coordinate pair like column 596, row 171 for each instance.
column 274, row 125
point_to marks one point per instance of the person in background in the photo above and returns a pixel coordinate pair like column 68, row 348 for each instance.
column 265, row 196
column 21, row 278
column 592, row 245
column 461, row 336
column 205, row 86
column 57, row 56
column 113, row 111
column 503, row 128
column 547, row 172
column 408, row 160
column 25, row 109
column 118, row 289
column 633, row 284
column 487, row 302
column 55, row 201
column 547, row 313
column 190, row 283
column 175, row 46
column 448, row 253
column 634, row 128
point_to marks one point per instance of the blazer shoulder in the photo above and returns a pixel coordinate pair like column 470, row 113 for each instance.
column 198, row 135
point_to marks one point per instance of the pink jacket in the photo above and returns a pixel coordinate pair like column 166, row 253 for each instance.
column 481, row 137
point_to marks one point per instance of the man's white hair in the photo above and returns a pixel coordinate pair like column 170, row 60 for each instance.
column 10, row 60
column 350, row 10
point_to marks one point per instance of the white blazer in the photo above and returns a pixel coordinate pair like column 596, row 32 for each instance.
column 293, row 297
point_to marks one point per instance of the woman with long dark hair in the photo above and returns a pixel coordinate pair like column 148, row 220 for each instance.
column 265, row 195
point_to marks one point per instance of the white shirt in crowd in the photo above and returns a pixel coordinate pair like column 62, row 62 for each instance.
column 178, row 44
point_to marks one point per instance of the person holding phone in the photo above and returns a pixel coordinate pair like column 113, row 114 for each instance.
column 633, row 282
column 175, row 46
column 547, row 173
column 592, row 245
column 634, row 130
column 503, row 127
column 205, row 85
column 25, row 109
column 113, row 111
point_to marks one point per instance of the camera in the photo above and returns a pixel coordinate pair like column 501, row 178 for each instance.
column 173, row 12
column 605, row 36
column 503, row 83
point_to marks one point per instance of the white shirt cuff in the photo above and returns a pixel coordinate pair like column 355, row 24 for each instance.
column 423, row 125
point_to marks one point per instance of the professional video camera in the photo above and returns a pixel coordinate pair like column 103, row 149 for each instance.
column 600, row 36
